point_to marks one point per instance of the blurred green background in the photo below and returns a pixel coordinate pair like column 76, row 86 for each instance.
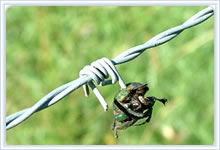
column 47, row 47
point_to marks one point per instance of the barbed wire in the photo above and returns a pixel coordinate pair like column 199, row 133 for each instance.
column 62, row 91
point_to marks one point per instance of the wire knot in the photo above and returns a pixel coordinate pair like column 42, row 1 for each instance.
column 100, row 70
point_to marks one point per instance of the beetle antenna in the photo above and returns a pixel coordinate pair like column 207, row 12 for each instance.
column 163, row 100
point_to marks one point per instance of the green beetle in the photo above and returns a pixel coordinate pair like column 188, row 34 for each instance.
column 129, row 106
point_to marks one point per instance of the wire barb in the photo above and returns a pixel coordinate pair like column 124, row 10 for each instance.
column 99, row 71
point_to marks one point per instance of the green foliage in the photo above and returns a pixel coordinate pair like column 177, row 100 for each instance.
column 47, row 47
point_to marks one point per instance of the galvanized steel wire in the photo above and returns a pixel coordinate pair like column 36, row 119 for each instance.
column 62, row 91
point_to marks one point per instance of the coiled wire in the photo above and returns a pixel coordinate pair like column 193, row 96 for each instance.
column 99, row 71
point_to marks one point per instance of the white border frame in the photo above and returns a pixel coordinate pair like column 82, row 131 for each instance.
column 4, row 5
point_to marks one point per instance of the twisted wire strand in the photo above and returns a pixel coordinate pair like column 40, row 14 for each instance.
column 164, row 37
column 60, row 92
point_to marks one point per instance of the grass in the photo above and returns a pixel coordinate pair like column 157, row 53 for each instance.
column 48, row 46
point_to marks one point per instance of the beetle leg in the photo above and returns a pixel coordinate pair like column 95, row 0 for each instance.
column 114, row 128
column 139, row 124
column 147, row 114
column 128, row 111
column 135, row 114
column 113, row 124
column 123, row 126
column 136, row 103
column 116, row 133
column 141, row 98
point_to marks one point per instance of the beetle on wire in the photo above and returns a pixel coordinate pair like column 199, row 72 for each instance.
column 130, row 105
